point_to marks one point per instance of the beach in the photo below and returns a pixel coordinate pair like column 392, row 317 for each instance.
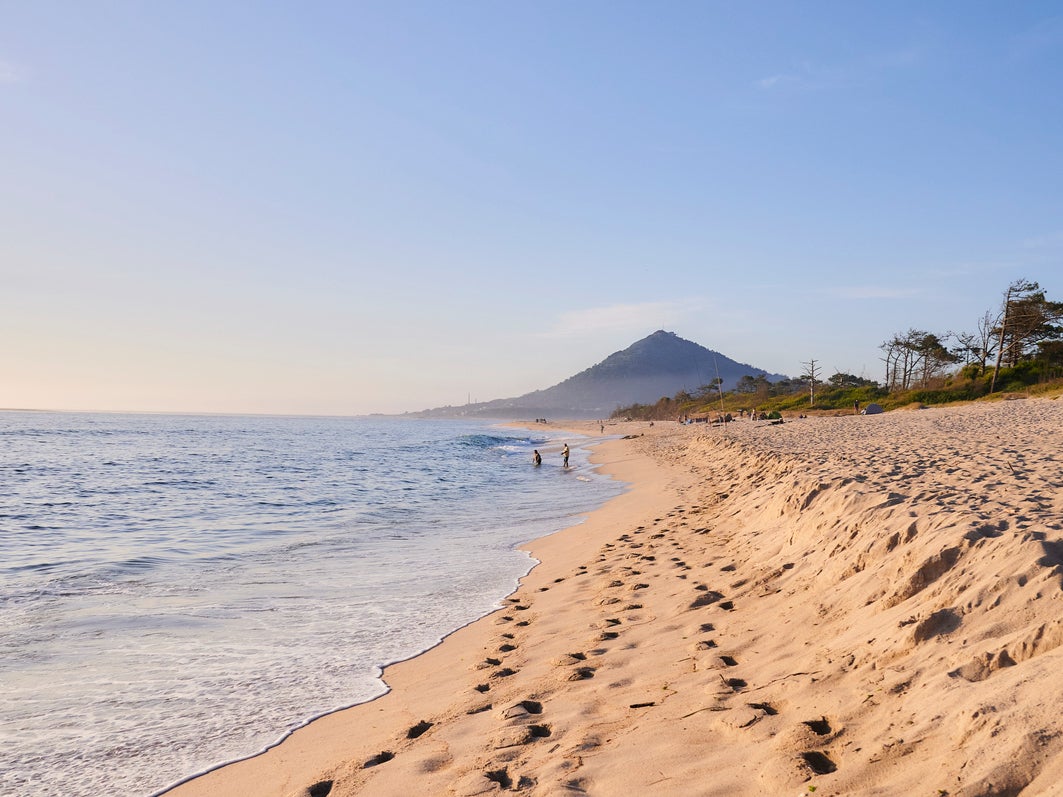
column 846, row 605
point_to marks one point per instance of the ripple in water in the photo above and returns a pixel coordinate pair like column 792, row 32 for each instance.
column 180, row 591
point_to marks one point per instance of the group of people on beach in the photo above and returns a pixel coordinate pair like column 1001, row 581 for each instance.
column 537, row 458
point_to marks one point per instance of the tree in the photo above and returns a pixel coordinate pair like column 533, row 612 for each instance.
column 902, row 358
column 986, row 326
column 844, row 381
column 914, row 358
column 784, row 387
column 811, row 375
column 1027, row 319
column 746, row 384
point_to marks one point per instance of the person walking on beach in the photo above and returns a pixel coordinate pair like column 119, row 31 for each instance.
column 537, row 458
column 564, row 454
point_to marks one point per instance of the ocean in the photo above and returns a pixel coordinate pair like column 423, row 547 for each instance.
column 181, row 591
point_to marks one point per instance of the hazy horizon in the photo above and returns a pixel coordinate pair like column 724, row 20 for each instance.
column 344, row 209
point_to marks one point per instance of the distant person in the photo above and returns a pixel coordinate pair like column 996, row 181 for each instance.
column 603, row 427
column 537, row 458
column 564, row 454
column 856, row 407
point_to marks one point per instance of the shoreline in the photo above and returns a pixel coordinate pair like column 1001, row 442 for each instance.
column 852, row 605
column 255, row 774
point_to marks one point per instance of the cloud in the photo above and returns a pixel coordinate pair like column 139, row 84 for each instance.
column 1050, row 240
column 809, row 76
column 623, row 317
column 777, row 81
column 804, row 76
column 9, row 73
column 857, row 292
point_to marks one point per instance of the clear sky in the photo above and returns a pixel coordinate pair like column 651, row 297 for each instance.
column 349, row 207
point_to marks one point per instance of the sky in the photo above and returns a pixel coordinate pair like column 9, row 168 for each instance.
column 351, row 207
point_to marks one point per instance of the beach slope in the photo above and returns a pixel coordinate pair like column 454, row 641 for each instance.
column 854, row 605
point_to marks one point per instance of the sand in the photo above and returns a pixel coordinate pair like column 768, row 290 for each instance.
column 845, row 605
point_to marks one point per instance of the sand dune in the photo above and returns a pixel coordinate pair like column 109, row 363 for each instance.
column 849, row 605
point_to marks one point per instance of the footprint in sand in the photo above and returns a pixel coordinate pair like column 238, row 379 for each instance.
column 380, row 758
column 568, row 659
column 418, row 730
column 522, row 709
column 578, row 674
column 820, row 727
column 819, row 762
column 707, row 598
column 767, row 708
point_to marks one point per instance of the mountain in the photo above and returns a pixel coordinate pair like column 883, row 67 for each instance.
column 661, row 364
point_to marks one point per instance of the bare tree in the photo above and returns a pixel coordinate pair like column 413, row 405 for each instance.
column 811, row 375
column 987, row 325
column 889, row 349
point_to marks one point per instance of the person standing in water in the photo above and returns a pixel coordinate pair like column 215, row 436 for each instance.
column 564, row 454
column 537, row 458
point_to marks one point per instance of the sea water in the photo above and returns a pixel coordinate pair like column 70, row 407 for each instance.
column 181, row 591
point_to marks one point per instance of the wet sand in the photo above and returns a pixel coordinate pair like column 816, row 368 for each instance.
column 855, row 605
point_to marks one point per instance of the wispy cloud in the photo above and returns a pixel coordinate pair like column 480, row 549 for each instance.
column 1050, row 240
column 810, row 76
column 10, row 73
column 858, row 292
column 803, row 76
column 777, row 81
column 623, row 318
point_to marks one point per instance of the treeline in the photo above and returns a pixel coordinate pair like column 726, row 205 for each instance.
column 1023, row 333
column 1015, row 346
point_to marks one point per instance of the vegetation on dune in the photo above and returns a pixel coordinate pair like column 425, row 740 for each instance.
column 1017, row 349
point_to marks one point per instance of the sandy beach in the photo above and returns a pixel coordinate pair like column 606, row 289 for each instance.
column 838, row 605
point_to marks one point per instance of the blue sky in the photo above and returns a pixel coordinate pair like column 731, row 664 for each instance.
column 340, row 207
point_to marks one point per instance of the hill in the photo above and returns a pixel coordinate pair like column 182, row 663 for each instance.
column 661, row 364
